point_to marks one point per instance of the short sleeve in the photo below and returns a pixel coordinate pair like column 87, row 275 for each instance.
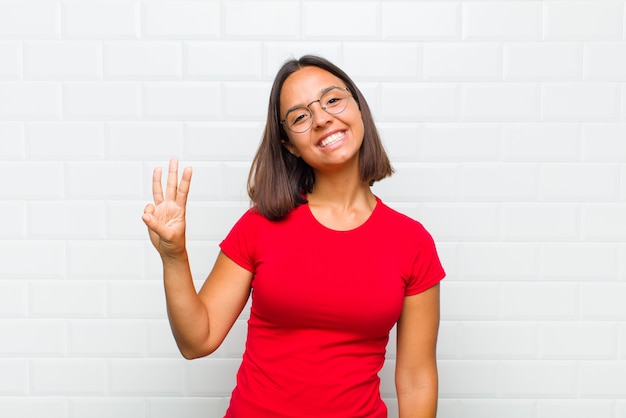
column 239, row 244
column 426, row 270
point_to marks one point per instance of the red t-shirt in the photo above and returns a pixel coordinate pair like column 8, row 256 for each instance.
column 323, row 303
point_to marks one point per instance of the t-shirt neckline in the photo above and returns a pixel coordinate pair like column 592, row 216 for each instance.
column 343, row 231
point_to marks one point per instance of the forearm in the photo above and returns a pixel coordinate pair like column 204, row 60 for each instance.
column 187, row 315
column 418, row 402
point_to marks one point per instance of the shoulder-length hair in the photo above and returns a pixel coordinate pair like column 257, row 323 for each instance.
column 278, row 180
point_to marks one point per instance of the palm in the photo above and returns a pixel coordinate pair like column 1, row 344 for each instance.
column 166, row 217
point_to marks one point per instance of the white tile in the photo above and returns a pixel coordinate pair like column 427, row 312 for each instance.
column 102, row 100
column 580, row 182
column 395, row 62
column 584, row 102
column 500, row 182
column 362, row 23
column 12, row 145
column 16, row 258
column 459, row 142
column 470, row 301
column 419, row 102
column 582, row 262
column 33, row 406
column 10, row 60
column 267, row 19
column 143, row 60
column 584, row 20
column 64, row 140
column 503, row 340
column 100, row 19
column 17, row 19
column 541, row 142
column 603, row 222
column 540, row 301
column 14, row 211
column 14, row 378
column 92, row 259
column 421, row 20
column 33, row 338
column 147, row 376
column 604, row 142
column 605, row 61
column 480, row 378
column 181, row 19
column 30, row 100
column 106, row 407
column 603, row 301
column 510, row 20
column 13, row 299
column 67, row 299
column 539, row 378
column 104, row 180
column 585, row 340
column 442, row 184
column 67, row 220
column 507, row 102
column 462, row 61
column 245, row 101
column 136, row 299
column 535, row 61
column 575, row 408
column 161, row 407
column 461, row 222
column 218, row 141
column 62, row 60
column 224, row 370
column 143, row 140
column 499, row 261
column 182, row 100
column 602, row 378
column 68, row 376
column 540, row 222
column 106, row 338
column 223, row 61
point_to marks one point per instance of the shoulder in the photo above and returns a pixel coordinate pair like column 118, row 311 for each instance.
column 254, row 220
column 400, row 222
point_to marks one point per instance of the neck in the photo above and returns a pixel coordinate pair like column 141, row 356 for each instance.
column 341, row 191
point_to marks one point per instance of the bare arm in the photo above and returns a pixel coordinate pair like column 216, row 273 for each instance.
column 416, row 363
column 199, row 321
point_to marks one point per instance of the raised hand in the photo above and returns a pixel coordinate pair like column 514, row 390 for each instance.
column 166, row 217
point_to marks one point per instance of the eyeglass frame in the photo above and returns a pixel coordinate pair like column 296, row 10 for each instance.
column 326, row 90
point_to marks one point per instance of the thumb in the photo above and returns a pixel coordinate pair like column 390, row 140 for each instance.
column 149, row 219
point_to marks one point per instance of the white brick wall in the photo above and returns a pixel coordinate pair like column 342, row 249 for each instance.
column 505, row 120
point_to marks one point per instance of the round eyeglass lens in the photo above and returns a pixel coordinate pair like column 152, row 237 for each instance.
column 333, row 101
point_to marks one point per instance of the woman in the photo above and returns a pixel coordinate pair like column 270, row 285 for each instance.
column 330, row 267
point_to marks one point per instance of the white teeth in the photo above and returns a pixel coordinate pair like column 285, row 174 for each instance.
column 332, row 139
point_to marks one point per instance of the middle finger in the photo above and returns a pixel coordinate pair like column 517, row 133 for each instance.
column 172, row 180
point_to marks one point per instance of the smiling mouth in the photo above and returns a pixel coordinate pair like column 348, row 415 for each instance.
column 331, row 139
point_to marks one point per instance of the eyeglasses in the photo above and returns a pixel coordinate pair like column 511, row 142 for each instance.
column 333, row 100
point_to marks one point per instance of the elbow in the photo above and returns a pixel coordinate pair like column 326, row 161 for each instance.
column 190, row 353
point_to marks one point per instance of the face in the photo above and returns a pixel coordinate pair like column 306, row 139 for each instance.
column 333, row 140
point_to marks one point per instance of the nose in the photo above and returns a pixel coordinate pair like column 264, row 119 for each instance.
column 320, row 116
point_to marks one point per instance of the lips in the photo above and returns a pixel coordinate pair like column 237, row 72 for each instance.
column 331, row 139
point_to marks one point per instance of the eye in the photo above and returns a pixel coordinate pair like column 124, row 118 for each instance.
column 297, row 116
column 333, row 98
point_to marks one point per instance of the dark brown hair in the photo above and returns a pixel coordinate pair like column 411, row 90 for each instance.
column 278, row 180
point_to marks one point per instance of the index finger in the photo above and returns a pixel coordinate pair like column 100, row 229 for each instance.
column 183, row 187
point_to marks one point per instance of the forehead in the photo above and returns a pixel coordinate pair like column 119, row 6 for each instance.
column 305, row 85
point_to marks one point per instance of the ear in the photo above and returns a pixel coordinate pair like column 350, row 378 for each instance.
column 291, row 148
